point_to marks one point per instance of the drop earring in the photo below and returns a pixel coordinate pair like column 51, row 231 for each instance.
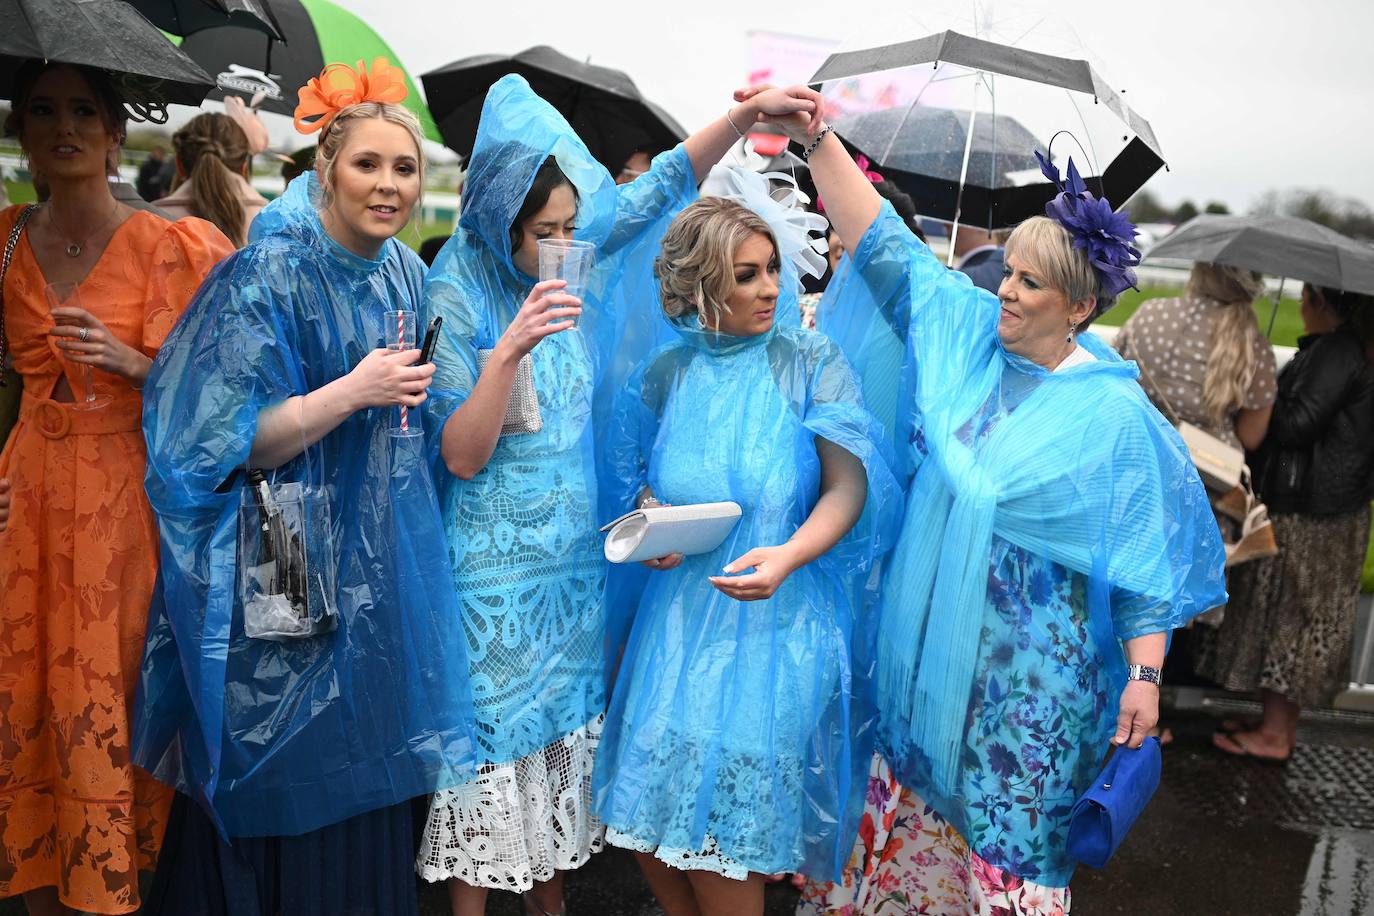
column 1073, row 326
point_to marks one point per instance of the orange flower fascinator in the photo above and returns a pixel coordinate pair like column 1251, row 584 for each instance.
column 340, row 85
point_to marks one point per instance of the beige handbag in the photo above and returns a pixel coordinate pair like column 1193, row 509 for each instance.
column 522, row 410
column 1222, row 468
column 1220, row 464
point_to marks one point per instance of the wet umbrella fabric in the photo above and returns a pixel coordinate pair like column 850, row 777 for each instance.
column 604, row 106
column 1284, row 246
column 1116, row 151
column 186, row 17
column 107, row 34
column 244, row 61
column 921, row 150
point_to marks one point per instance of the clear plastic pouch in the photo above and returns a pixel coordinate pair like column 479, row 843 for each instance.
column 286, row 559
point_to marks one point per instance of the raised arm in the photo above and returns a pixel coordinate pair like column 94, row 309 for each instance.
column 851, row 204
column 706, row 147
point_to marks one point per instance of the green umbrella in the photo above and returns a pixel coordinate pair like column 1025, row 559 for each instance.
column 246, row 62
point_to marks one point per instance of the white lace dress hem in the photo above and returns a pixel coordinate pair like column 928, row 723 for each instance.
column 517, row 823
column 709, row 858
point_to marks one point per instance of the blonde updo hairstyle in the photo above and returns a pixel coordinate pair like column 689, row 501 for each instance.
column 333, row 137
column 1048, row 248
column 695, row 267
column 1231, row 360
column 210, row 150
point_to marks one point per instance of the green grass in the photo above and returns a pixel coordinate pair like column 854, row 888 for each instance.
column 1287, row 324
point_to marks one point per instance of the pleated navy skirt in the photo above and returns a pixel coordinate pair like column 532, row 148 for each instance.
column 364, row 866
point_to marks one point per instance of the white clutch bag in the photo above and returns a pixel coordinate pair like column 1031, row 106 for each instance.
column 656, row 531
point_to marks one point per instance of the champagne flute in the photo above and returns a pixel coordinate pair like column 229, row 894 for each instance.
column 68, row 295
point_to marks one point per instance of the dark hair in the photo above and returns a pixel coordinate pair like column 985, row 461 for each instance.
column 108, row 99
column 429, row 248
column 548, row 177
column 901, row 202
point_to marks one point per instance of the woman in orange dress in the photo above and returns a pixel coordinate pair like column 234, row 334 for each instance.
column 78, row 552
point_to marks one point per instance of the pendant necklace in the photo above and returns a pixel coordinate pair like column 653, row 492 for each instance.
column 74, row 249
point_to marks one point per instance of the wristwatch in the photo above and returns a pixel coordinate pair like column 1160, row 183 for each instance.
column 1143, row 673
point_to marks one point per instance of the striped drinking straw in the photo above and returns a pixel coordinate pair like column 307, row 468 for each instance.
column 401, row 341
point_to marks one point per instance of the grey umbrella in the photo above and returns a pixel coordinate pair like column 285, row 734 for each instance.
column 1285, row 246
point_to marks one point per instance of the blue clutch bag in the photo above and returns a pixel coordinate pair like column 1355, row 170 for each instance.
column 1105, row 813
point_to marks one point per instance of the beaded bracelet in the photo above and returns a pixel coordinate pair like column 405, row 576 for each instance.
column 817, row 142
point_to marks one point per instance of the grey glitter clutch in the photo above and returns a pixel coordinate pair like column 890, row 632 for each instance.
column 522, row 411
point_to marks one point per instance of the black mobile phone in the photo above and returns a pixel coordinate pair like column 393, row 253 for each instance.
column 431, row 340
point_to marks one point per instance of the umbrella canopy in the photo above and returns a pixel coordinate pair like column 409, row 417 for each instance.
column 108, row 34
column 186, row 17
column 922, row 150
column 982, row 103
column 1284, row 246
column 246, row 62
column 604, row 106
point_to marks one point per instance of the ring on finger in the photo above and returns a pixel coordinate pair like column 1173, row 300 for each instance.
column 85, row 333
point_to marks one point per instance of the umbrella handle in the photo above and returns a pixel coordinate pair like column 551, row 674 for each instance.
column 1269, row 332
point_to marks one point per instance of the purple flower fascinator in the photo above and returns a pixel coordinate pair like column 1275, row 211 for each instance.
column 1106, row 236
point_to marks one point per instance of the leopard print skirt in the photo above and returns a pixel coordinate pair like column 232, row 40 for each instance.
column 1290, row 622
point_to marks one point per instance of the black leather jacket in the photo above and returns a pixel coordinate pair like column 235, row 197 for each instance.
column 1318, row 457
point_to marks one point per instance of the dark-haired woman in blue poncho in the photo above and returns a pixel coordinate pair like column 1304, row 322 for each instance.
column 521, row 507
column 1055, row 531
column 301, row 752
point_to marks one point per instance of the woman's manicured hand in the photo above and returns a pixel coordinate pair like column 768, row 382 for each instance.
column 772, row 565
column 4, row 502
column 671, row 561
column 793, row 105
column 100, row 349
column 387, row 378
column 545, row 311
column 1139, row 713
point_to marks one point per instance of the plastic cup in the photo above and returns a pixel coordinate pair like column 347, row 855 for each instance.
column 566, row 259
column 400, row 335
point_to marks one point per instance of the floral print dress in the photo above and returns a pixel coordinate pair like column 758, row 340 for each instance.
column 1034, row 744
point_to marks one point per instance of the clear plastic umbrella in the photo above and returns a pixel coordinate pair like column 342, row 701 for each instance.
column 952, row 103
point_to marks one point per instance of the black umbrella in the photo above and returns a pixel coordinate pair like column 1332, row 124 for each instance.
column 246, row 62
column 108, row 34
column 1116, row 150
column 604, row 106
column 1284, row 246
column 918, row 148
column 186, row 17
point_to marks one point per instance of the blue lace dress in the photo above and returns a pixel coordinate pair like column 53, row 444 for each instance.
column 525, row 553
column 732, row 742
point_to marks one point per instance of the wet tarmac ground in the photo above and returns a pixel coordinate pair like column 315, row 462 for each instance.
column 1222, row 837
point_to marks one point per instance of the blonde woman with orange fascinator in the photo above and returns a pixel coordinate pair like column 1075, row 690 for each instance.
column 303, row 682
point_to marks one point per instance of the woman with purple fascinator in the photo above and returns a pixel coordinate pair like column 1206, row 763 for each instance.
column 1054, row 532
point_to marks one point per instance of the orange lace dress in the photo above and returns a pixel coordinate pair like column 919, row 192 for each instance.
column 77, row 564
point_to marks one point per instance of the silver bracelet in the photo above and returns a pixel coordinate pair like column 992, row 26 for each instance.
column 806, row 154
column 732, row 124
column 1144, row 673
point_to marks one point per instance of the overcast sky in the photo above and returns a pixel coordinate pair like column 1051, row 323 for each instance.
column 1243, row 96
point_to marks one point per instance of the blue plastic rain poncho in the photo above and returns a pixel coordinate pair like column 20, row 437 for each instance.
column 1050, row 515
column 285, row 737
column 525, row 552
column 733, row 740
